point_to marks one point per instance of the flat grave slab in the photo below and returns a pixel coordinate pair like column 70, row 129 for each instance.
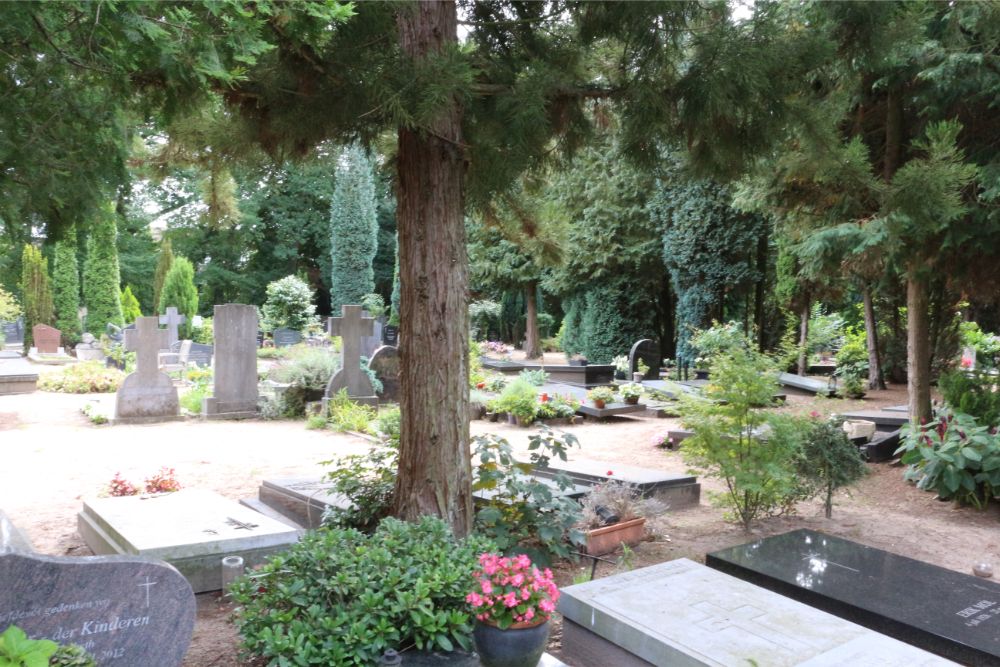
column 610, row 410
column 683, row 614
column 502, row 365
column 17, row 377
column 897, row 408
column 459, row 659
column 676, row 490
column 952, row 614
column 125, row 611
column 882, row 447
column 819, row 387
column 191, row 529
column 884, row 419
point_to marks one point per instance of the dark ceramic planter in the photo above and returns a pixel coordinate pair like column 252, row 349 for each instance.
column 521, row 647
column 632, row 400
column 700, row 375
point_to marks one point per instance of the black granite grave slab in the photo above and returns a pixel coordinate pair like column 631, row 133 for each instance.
column 954, row 615
column 889, row 420
column 882, row 447
column 676, row 490
column 126, row 611
column 502, row 365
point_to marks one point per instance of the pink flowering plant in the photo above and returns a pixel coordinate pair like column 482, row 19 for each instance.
column 511, row 590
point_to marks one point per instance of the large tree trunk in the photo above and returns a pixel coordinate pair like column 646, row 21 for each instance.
column 875, row 378
column 918, row 357
column 532, row 342
column 803, row 365
column 435, row 473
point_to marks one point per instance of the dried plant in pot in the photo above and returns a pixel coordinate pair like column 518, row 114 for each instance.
column 613, row 514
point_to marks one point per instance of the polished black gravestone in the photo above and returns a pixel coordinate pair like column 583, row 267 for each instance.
column 286, row 337
column 648, row 352
column 954, row 615
column 126, row 611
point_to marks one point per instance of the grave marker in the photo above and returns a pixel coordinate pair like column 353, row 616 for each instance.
column 147, row 395
column 46, row 338
column 390, row 335
column 125, row 611
column 13, row 332
column 352, row 326
column 286, row 337
column 648, row 352
column 385, row 364
column 173, row 320
column 235, row 390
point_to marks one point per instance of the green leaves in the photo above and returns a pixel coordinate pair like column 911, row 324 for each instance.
column 16, row 650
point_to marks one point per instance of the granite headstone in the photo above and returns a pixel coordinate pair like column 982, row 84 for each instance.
column 46, row 338
column 173, row 320
column 952, row 614
column 125, row 611
column 13, row 332
column 385, row 364
column 235, row 388
column 648, row 352
column 352, row 327
column 390, row 335
column 147, row 395
column 286, row 337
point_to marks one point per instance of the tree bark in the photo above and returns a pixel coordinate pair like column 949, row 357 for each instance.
column 803, row 365
column 918, row 362
column 759, row 291
column 532, row 343
column 875, row 378
column 435, row 473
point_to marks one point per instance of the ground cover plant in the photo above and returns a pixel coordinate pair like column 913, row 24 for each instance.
column 85, row 377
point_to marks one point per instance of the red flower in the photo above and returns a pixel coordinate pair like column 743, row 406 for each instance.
column 610, row 473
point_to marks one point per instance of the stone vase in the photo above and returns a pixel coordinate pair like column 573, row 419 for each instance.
column 606, row 539
column 514, row 647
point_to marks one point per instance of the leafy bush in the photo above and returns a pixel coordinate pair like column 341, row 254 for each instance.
column 520, row 399
column 374, row 303
column 163, row 481
column 728, row 425
column 828, row 460
column 483, row 315
column 536, row 377
column 87, row 377
column 972, row 393
column 716, row 341
column 826, row 332
column 339, row 597
column 523, row 514
column 102, row 273
column 605, row 394
column 191, row 400
column 308, row 371
column 273, row 352
column 10, row 309
column 852, row 363
column 346, row 415
column 389, row 424
column 130, row 306
column 367, row 482
column 986, row 345
column 205, row 332
column 289, row 305
column 955, row 457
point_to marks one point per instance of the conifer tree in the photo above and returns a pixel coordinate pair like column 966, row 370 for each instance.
column 394, row 303
column 66, row 286
column 163, row 262
column 36, row 293
column 101, row 277
column 179, row 291
column 353, row 229
column 130, row 305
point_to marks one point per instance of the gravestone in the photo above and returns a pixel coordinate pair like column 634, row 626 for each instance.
column 191, row 529
column 954, row 615
column 390, row 335
column 125, row 611
column 286, row 337
column 352, row 326
column 235, row 385
column 13, row 332
column 680, row 613
column 12, row 539
column 673, row 489
column 818, row 387
column 89, row 349
column 649, row 352
column 173, row 320
column 260, row 338
column 17, row 376
column 373, row 341
column 385, row 364
column 46, row 338
column 147, row 395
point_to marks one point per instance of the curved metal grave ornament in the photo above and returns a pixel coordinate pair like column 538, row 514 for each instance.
column 125, row 611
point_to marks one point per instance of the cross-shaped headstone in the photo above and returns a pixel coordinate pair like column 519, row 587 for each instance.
column 146, row 340
column 351, row 326
column 172, row 319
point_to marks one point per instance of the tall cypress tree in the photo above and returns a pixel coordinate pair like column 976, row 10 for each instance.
column 353, row 229
column 179, row 291
column 37, row 294
column 101, row 277
column 66, row 286
column 163, row 262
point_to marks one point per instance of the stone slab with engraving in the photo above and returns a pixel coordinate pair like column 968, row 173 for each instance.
column 286, row 337
column 235, row 384
column 952, row 614
column 191, row 529
column 125, row 611
column 680, row 613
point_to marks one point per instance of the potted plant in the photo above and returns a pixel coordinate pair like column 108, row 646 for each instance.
column 630, row 392
column 621, row 366
column 600, row 396
column 512, row 602
column 612, row 515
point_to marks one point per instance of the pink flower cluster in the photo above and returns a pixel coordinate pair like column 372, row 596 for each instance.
column 512, row 590
column 496, row 347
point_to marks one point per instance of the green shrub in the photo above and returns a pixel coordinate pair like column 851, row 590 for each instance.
column 87, row 377
column 101, row 272
column 204, row 333
column 972, row 393
column 483, row 315
column 986, row 345
column 367, row 481
column 852, row 363
column 36, row 292
column 273, row 352
column 523, row 514
column 346, row 415
column 339, row 597
column 955, row 457
column 179, row 291
column 828, row 459
column 289, row 305
column 389, row 423
column 728, row 423
column 163, row 261
column 353, row 229
column 536, row 377
column 308, row 371
column 191, row 399
column 520, row 399
column 130, row 306
column 716, row 341
column 17, row 650
column 66, row 286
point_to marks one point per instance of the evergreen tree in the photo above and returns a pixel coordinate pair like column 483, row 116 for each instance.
column 101, row 277
column 163, row 264
column 66, row 286
column 130, row 306
column 180, row 292
column 35, row 291
column 353, row 229
column 394, row 303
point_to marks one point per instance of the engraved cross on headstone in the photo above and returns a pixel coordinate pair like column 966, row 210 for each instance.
column 351, row 327
column 146, row 340
column 173, row 320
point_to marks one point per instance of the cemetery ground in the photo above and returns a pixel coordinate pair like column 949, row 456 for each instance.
column 53, row 457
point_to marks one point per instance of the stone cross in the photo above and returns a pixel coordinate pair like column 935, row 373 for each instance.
column 351, row 327
column 146, row 340
column 172, row 319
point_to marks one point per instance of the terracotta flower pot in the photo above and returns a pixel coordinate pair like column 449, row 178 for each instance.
column 520, row 645
column 598, row 404
column 606, row 539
